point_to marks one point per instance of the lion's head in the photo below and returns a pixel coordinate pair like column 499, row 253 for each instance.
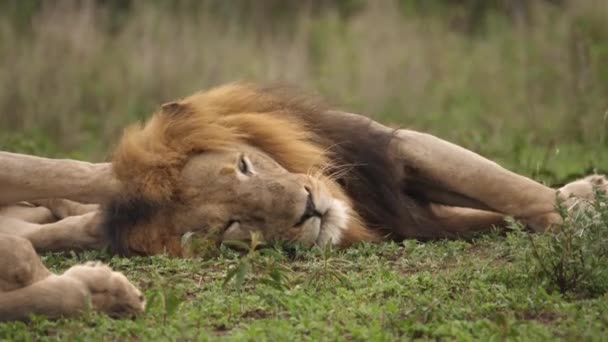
column 226, row 163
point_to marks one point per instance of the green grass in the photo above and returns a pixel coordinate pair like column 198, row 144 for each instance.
column 450, row 289
column 529, row 96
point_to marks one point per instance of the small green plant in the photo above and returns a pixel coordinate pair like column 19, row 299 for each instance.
column 164, row 299
column 573, row 259
column 197, row 245
column 262, row 264
column 329, row 270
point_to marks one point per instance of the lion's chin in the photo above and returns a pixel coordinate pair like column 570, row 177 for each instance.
column 333, row 223
column 325, row 230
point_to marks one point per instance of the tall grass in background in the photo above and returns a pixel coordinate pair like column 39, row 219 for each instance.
column 75, row 73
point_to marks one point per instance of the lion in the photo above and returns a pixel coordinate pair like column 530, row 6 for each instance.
column 243, row 159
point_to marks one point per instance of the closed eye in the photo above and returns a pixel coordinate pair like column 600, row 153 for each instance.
column 244, row 165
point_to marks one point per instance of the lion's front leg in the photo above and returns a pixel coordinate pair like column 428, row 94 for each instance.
column 585, row 188
column 19, row 264
column 25, row 177
column 460, row 221
column 448, row 174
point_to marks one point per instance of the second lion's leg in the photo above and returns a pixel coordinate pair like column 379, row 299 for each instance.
column 62, row 208
column 73, row 232
column 28, row 212
column 21, row 265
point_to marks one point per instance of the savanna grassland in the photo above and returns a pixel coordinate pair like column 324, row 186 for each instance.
column 524, row 83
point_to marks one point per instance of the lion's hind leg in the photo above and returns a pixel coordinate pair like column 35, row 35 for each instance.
column 28, row 287
column 111, row 292
column 20, row 264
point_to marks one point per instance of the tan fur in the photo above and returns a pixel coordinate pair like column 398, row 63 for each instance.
column 25, row 178
column 150, row 160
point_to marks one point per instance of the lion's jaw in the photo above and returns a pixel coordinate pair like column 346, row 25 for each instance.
column 326, row 227
column 222, row 202
column 218, row 202
column 321, row 231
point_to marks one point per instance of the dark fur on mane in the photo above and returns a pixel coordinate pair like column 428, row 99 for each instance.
column 377, row 192
column 120, row 215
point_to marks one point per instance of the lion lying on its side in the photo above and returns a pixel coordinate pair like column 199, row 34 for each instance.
column 241, row 159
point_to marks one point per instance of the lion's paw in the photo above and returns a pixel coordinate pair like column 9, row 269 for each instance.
column 111, row 292
column 585, row 188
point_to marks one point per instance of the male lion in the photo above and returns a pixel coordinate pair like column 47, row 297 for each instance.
column 243, row 158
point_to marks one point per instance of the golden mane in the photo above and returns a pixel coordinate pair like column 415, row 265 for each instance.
column 149, row 157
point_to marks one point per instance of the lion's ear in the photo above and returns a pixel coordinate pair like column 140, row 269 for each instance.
column 174, row 108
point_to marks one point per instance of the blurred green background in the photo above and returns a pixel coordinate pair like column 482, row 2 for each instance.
column 522, row 82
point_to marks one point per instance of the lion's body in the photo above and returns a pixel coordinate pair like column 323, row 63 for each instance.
column 242, row 159
column 395, row 184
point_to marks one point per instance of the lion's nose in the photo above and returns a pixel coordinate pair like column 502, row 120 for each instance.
column 310, row 210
